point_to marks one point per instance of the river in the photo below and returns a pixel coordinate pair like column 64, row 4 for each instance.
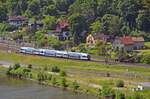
column 22, row 89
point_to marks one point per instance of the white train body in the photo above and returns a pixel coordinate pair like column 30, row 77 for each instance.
column 55, row 53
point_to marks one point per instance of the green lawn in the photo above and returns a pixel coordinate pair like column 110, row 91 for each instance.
column 66, row 63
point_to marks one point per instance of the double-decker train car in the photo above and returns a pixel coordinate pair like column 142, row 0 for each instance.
column 55, row 53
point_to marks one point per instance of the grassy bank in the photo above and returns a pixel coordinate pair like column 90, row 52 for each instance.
column 87, row 74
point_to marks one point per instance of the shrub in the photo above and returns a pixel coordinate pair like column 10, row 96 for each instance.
column 120, row 95
column 63, row 83
column 16, row 66
column 55, row 69
column 120, row 83
column 106, row 91
column 138, row 96
column 75, row 86
column 54, row 82
column 30, row 66
column 63, row 73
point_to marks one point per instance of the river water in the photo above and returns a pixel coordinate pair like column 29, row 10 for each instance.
column 23, row 89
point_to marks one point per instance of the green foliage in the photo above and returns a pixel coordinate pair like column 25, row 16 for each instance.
column 137, row 96
column 6, row 27
column 63, row 73
column 3, row 13
column 16, row 66
column 30, row 66
column 106, row 91
column 18, row 35
column 96, row 27
column 18, row 71
column 145, row 59
column 50, row 22
column 119, row 83
column 55, row 69
column 120, row 95
column 54, row 82
column 75, row 86
column 78, row 26
column 63, row 82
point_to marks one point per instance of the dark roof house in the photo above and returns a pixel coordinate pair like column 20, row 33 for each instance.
column 17, row 20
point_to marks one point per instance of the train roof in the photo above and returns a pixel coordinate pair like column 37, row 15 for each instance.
column 27, row 48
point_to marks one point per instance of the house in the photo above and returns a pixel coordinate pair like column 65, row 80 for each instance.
column 138, row 42
column 92, row 38
column 35, row 24
column 128, row 43
column 62, row 30
column 17, row 20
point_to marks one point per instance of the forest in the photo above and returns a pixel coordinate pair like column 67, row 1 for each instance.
column 116, row 17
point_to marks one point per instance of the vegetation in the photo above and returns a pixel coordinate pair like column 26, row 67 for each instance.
column 110, row 17
column 119, row 83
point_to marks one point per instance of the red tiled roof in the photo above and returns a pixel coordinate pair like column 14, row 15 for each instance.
column 63, row 24
column 138, row 39
column 127, row 40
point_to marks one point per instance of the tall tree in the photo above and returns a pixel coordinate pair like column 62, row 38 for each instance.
column 78, row 26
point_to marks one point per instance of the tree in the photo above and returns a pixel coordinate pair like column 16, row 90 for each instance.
column 129, row 9
column 96, row 27
column 34, row 7
column 3, row 13
column 41, row 39
column 50, row 22
column 111, row 24
column 143, row 21
column 78, row 26
column 51, row 10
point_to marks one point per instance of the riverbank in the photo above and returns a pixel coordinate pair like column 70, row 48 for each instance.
column 90, row 75
column 11, row 88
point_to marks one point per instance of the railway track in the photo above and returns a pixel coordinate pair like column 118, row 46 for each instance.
column 14, row 47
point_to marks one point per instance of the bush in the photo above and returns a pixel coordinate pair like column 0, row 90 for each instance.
column 120, row 83
column 55, row 69
column 138, row 96
column 54, row 82
column 120, row 95
column 75, row 86
column 30, row 66
column 63, row 73
column 106, row 91
column 16, row 66
column 8, row 70
column 63, row 82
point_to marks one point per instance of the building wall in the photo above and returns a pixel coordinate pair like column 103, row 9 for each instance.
column 128, row 47
column 117, row 45
column 138, row 45
column 90, row 41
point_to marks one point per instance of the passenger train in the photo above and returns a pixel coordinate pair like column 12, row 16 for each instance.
column 55, row 53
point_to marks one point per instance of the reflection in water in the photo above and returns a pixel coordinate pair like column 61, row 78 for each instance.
column 22, row 89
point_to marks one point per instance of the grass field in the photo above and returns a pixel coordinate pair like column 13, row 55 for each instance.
column 85, row 71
